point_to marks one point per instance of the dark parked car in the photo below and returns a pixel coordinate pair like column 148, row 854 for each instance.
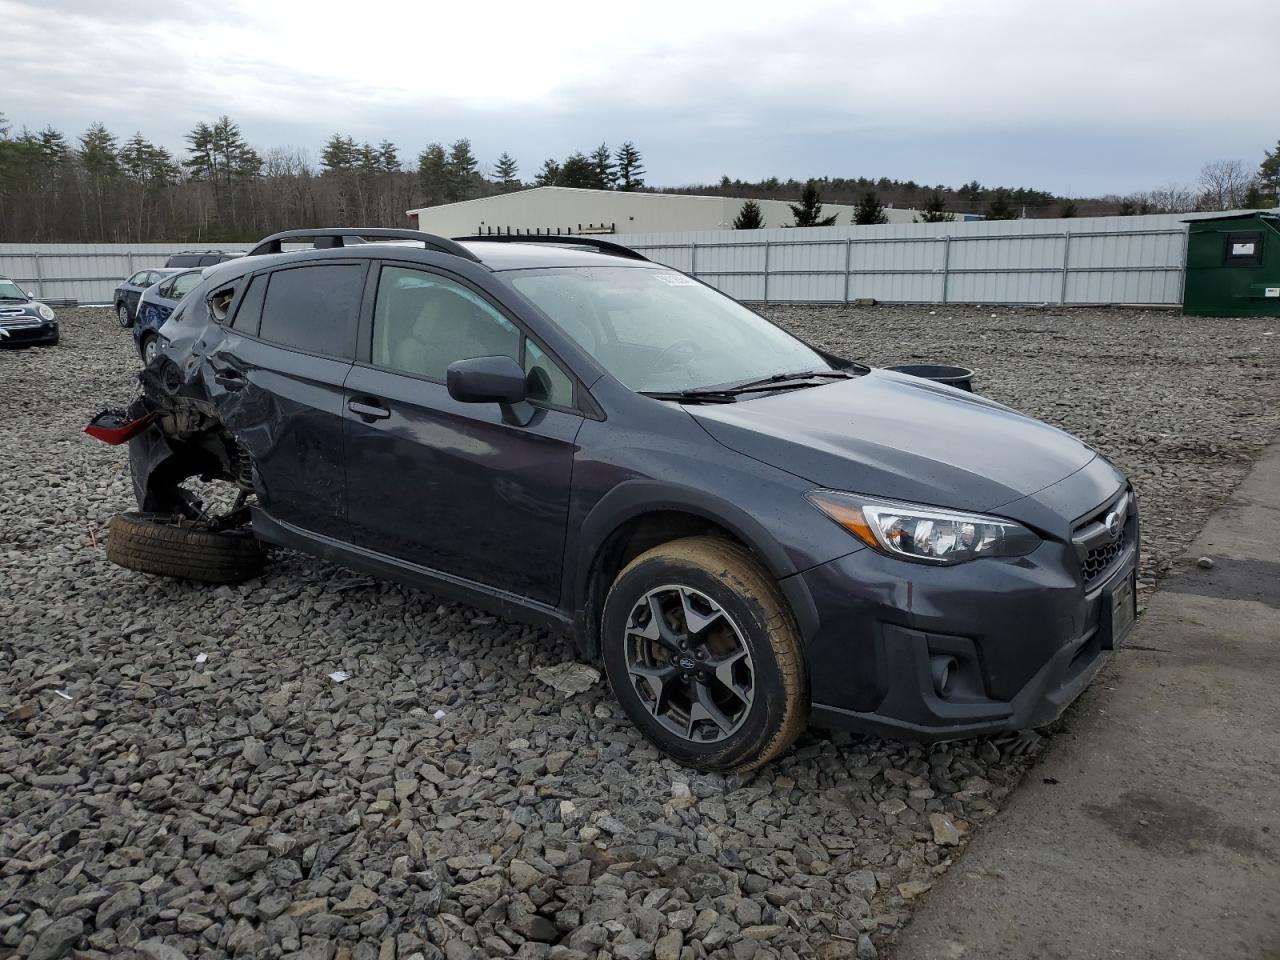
column 201, row 258
column 156, row 304
column 130, row 291
column 25, row 321
column 750, row 533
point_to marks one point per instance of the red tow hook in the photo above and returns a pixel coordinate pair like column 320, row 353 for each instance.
column 114, row 426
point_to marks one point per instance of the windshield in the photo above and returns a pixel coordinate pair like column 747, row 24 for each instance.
column 11, row 291
column 660, row 331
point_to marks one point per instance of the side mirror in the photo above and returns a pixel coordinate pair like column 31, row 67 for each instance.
column 492, row 380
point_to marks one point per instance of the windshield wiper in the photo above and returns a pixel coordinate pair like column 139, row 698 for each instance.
column 786, row 378
column 14, row 299
column 779, row 382
column 690, row 396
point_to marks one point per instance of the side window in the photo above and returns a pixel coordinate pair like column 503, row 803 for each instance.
column 184, row 284
column 423, row 322
column 248, row 318
column 139, row 279
column 314, row 308
column 547, row 382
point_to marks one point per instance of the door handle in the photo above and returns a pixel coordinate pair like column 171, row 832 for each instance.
column 368, row 411
column 228, row 377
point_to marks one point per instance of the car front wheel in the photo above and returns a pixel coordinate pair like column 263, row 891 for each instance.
column 150, row 347
column 122, row 314
column 702, row 652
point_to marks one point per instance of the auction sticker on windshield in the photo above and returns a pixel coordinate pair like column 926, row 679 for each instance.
column 676, row 279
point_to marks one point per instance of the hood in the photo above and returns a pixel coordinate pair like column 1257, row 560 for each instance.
column 896, row 436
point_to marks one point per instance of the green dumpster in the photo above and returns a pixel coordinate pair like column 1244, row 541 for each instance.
column 1233, row 266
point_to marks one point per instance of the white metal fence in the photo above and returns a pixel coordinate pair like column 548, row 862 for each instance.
column 1130, row 260
column 84, row 272
column 1096, row 260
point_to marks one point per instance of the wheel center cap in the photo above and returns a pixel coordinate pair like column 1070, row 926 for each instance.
column 686, row 663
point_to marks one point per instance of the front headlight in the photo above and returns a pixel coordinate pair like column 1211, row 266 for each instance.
column 924, row 534
column 46, row 313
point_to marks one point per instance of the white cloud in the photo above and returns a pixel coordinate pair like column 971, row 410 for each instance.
column 1165, row 81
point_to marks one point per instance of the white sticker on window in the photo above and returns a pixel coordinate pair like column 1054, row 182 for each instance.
column 1271, row 292
column 1242, row 249
column 676, row 279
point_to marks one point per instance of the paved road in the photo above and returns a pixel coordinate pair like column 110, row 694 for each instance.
column 1152, row 828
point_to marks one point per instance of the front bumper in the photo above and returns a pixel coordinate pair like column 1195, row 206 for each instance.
column 1022, row 636
column 28, row 334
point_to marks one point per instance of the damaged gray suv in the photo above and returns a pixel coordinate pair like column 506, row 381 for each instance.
column 751, row 534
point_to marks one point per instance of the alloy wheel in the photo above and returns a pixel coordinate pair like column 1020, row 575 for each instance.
column 149, row 351
column 123, row 314
column 689, row 664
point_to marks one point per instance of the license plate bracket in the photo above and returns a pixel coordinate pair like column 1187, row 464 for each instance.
column 1119, row 611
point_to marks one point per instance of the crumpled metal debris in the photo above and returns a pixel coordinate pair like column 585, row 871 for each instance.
column 569, row 677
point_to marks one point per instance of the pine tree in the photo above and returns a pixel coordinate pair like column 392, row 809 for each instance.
column 630, row 169
column 433, row 173
column 606, row 174
column 339, row 154
column 462, row 170
column 1001, row 206
column 504, row 172
column 1068, row 209
column 1127, row 209
column 809, row 211
column 98, row 152
column 1269, row 174
column 549, row 175
column 869, row 210
column 578, row 170
column 749, row 217
column 388, row 157
column 935, row 210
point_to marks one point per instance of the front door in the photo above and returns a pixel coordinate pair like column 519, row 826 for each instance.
column 452, row 486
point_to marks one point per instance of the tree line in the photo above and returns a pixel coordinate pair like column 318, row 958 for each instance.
column 219, row 188
column 100, row 188
column 1222, row 185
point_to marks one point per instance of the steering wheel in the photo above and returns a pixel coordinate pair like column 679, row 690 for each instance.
column 680, row 353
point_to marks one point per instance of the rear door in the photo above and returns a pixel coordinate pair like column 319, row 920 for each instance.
column 446, row 485
column 276, row 377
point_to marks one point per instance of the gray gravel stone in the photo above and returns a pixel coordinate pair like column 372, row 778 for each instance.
column 248, row 803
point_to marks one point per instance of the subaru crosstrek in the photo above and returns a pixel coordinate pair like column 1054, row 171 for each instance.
column 749, row 532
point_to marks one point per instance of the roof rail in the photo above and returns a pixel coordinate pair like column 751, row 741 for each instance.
column 343, row 236
column 571, row 239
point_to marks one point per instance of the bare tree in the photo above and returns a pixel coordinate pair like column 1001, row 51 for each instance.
column 1223, row 184
column 1172, row 198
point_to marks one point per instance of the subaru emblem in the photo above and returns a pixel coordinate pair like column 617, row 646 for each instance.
column 686, row 663
column 1113, row 524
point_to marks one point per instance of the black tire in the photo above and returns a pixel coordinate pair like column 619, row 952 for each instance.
column 170, row 546
column 123, row 316
column 756, row 613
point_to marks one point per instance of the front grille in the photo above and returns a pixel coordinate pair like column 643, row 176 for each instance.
column 1098, row 551
column 1099, row 560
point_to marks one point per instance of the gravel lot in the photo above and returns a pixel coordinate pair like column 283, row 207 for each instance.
column 179, row 776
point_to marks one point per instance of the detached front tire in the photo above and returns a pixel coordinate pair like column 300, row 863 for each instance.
column 704, row 656
column 172, row 546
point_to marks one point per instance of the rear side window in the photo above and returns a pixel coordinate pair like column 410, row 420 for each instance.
column 181, row 260
column 314, row 308
column 184, row 284
column 248, row 318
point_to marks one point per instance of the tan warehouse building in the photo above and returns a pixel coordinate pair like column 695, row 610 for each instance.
column 574, row 210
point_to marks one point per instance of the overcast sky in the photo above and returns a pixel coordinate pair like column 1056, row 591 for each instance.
column 1072, row 96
